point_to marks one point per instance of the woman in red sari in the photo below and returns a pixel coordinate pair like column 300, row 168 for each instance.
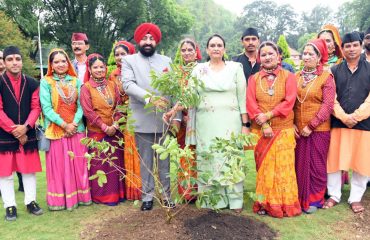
column 271, row 95
column 132, row 162
column 99, row 99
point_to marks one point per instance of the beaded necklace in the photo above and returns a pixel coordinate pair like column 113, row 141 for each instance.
column 104, row 91
column 71, row 96
column 308, row 90
column 308, row 76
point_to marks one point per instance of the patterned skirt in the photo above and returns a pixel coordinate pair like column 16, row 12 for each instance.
column 276, row 185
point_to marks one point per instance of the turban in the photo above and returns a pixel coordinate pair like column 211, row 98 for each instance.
column 320, row 46
column 334, row 31
column 351, row 37
column 250, row 32
column 79, row 37
column 130, row 47
column 146, row 28
column 367, row 31
column 11, row 50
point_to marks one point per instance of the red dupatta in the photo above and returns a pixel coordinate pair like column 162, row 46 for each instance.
column 262, row 148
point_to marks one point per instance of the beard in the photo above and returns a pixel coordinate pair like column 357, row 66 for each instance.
column 147, row 52
column 367, row 47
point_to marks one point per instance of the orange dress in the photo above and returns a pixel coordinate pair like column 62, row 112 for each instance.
column 131, row 156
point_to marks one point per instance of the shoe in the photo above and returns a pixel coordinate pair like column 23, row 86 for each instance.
column 147, row 206
column 311, row 210
column 11, row 213
column 169, row 204
column 34, row 208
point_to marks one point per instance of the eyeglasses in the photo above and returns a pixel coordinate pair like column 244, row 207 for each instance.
column 78, row 43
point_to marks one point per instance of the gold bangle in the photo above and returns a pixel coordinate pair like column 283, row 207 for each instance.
column 269, row 115
column 265, row 126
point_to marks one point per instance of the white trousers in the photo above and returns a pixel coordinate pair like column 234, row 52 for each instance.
column 7, row 189
column 358, row 186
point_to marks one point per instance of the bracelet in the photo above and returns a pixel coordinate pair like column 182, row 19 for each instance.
column 247, row 124
column 265, row 126
column 269, row 115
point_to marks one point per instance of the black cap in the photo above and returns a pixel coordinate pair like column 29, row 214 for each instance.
column 250, row 32
column 351, row 37
column 11, row 50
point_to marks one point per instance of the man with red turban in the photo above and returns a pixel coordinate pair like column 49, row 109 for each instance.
column 80, row 44
column 148, row 124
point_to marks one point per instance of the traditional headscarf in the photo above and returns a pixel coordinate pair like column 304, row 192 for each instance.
column 320, row 46
column 79, row 37
column 338, row 42
column 11, row 50
column 250, row 32
column 128, row 45
column 146, row 28
column 71, row 71
column 351, row 37
column 88, row 73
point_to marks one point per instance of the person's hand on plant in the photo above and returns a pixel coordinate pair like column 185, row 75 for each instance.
column 168, row 116
column 159, row 102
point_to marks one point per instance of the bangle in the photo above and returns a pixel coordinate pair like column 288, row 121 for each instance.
column 265, row 126
column 269, row 115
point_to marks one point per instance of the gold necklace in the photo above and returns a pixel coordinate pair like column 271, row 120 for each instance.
column 308, row 90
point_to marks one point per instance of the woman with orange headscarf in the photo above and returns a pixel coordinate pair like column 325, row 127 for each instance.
column 132, row 161
column 334, row 44
column 67, row 176
column 330, row 34
column 312, row 110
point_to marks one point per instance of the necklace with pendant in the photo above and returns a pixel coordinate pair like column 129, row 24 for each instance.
column 270, row 91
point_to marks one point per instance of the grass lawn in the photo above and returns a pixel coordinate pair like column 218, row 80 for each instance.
column 325, row 224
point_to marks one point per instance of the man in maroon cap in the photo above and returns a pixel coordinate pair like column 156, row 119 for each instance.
column 80, row 44
column 148, row 125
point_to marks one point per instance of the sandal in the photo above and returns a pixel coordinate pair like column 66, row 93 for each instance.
column 238, row 210
column 357, row 207
column 329, row 203
column 262, row 212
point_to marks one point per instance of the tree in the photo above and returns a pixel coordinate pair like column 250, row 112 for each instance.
column 283, row 44
column 354, row 15
column 319, row 16
column 104, row 21
column 302, row 41
column 11, row 35
column 268, row 18
column 210, row 19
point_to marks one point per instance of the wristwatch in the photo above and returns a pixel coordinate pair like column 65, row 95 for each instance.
column 247, row 125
